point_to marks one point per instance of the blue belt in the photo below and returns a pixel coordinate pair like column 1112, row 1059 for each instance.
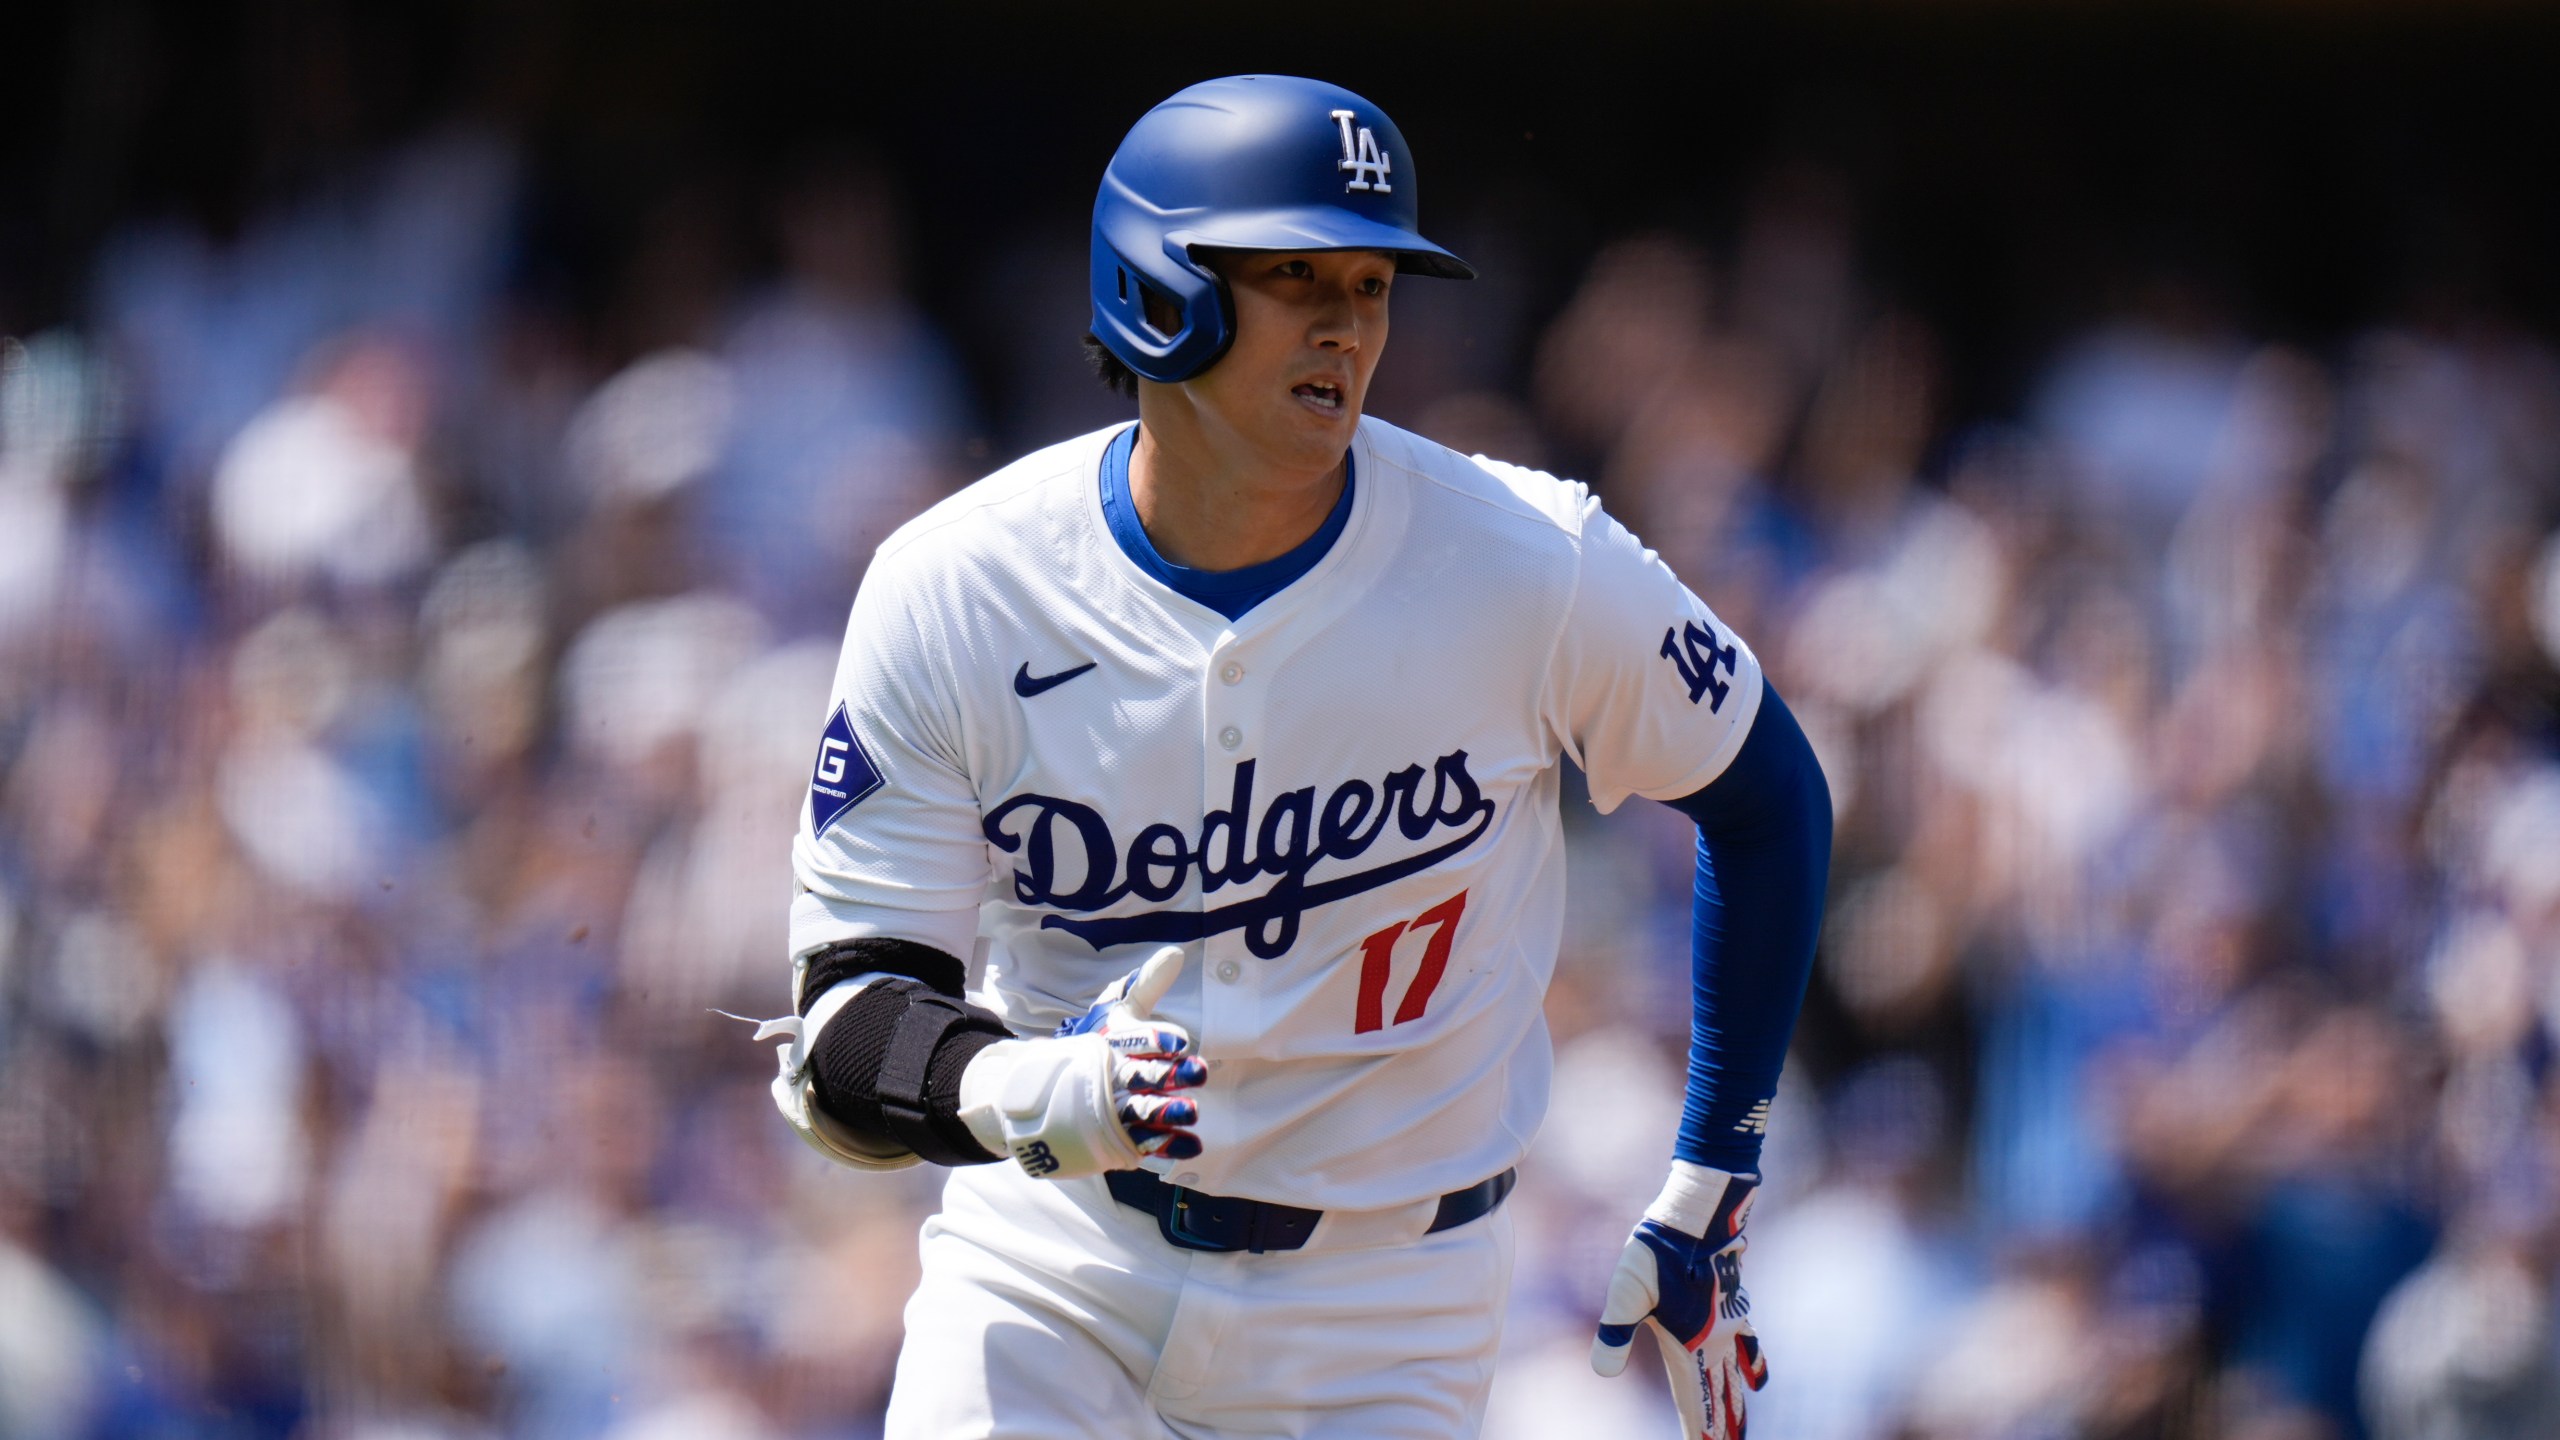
column 1191, row 1220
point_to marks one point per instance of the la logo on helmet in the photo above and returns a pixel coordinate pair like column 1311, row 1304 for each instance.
column 1366, row 162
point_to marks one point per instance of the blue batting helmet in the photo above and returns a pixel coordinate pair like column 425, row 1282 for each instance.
column 1251, row 162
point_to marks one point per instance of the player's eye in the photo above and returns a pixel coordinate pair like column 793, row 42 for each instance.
column 1374, row 285
column 1297, row 269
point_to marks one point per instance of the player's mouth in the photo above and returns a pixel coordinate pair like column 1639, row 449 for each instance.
column 1320, row 395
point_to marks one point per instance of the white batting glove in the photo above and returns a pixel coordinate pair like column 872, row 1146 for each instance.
column 1680, row 1277
column 1097, row 1095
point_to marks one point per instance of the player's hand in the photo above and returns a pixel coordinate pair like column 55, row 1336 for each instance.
column 1680, row 1278
column 1100, row 1094
column 1149, row 1058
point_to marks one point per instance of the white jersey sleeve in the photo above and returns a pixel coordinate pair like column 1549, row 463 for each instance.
column 889, row 841
column 1647, row 691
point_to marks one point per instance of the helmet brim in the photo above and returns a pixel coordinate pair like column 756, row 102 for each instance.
column 1319, row 228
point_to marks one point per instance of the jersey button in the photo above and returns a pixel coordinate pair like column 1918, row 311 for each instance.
column 1228, row 970
column 1231, row 737
column 1231, row 672
column 1187, row 1177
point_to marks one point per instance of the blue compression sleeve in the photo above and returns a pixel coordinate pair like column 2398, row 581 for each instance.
column 1764, row 855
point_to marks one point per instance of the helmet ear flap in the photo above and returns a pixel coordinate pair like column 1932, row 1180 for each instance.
column 1134, row 301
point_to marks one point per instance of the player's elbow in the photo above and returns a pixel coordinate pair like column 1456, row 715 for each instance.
column 1795, row 793
column 1811, row 788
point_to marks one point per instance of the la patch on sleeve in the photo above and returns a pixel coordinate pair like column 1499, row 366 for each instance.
column 844, row 775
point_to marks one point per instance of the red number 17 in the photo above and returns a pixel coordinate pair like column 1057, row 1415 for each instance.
column 1379, row 951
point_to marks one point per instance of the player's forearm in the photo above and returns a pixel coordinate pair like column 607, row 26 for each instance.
column 890, row 1058
column 1764, row 857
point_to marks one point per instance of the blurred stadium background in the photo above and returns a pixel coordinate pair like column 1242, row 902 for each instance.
column 438, row 446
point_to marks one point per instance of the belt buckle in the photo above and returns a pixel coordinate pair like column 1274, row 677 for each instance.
column 1175, row 1223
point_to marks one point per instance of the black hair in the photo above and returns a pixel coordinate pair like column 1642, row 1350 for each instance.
column 1110, row 369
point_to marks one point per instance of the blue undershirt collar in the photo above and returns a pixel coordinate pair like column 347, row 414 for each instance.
column 1229, row 592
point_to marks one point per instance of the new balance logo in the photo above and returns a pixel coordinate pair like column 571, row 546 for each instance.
column 1035, row 1157
column 1362, row 157
column 1731, row 1302
column 1755, row 1123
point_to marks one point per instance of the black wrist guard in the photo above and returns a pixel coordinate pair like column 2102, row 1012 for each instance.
column 889, row 1063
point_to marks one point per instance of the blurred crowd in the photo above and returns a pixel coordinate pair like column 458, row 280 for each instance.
column 405, row 695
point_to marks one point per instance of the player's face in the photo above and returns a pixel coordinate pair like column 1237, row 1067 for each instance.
column 1309, row 328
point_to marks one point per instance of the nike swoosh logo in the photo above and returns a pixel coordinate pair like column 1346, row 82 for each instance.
column 1026, row 687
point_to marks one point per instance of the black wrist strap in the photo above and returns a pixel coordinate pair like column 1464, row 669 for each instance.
column 880, row 955
column 902, row 1070
column 911, row 1109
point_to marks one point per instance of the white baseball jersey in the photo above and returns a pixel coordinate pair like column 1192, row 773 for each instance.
column 1343, row 804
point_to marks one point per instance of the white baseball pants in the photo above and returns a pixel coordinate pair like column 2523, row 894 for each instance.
column 1049, row 1311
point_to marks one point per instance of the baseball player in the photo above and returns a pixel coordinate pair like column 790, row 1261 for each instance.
column 1182, row 862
